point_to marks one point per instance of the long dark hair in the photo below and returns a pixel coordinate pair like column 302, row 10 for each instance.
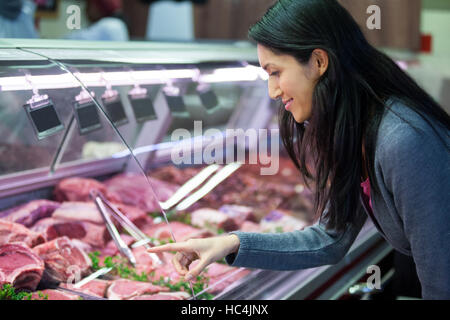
column 348, row 101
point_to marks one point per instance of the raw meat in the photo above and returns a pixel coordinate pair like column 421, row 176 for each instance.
column 136, row 215
column 174, row 175
column 30, row 212
column 111, row 247
column 210, row 218
column 63, row 260
column 90, row 233
column 239, row 214
column 88, row 211
column 74, row 210
column 20, row 267
column 78, row 189
column 50, row 294
column 96, row 287
column 163, row 296
column 217, row 272
column 181, row 231
column 134, row 189
column 281, row 221
column 14, row 232
column 248, row 226
column 126, row 289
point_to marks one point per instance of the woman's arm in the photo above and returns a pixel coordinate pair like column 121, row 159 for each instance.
column 312, row 247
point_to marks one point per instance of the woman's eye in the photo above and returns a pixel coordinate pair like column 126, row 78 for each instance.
column 275, row 73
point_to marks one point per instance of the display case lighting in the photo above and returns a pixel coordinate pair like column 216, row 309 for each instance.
column 117, row 78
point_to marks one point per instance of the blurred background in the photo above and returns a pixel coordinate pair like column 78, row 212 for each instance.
column 414, row 32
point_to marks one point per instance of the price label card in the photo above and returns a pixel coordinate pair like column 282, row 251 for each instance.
column 87, row 116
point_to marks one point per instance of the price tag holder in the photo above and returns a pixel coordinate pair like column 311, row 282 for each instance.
column 142, row 105
column 114, row 108
column 87, row 117
column 174, row 100
column 207, row 97
column 43, row 116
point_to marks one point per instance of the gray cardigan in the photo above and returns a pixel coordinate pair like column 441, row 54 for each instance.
column 412, row 168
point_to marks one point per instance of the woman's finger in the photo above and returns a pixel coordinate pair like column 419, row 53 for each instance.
column 177, row 246
column 197, row 269
column 180, row 263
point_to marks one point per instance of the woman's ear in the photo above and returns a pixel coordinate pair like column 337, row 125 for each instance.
column 320, row 59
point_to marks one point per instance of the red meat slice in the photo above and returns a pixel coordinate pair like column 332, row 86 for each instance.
column 126, row 289
column 90, row 233
column 134, row 189
column 78, row 189
column 30, row 212
column 20, row 267
column 63, row 260
column 217, row 272
column 75, row 210
column 14, row 232
column 50, row 294
column 211, row 218
column 239, row 214
column 96, row 287
column 163, row 296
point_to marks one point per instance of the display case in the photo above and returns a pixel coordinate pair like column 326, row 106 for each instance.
column 181, row 138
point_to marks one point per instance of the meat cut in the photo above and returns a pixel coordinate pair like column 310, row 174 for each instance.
column 63, row 260
column 96, row 287
column 134, row 189
column 78, row 189
column 126, row 289
column 76, row 210
column 20, row 267
column 211, row 218
column 179, row 295
column 238, row 213
column 14, row 232
column 50, row 294
column 30, row 212
column 93, row 234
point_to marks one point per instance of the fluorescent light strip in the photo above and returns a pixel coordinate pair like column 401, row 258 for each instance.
column 248, row 73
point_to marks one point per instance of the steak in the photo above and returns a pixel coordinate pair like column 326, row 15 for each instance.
column 78, row 189
column 96, row 287
column 27, row 214
column 210, row 218
column 126, row 289
column 20, row 267
column 50, row 294
column 14, row 232
column 217, row 272
column 111, row 248
column 238, row 213
column 74, row 210
column 181, row 231
column 63, row 259
column 93, row 234
column 134, row 189
column 180, row 295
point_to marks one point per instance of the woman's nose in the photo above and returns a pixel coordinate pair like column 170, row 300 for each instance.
column 274, row 91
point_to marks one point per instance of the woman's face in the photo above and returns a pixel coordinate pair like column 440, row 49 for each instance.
column 290, row 81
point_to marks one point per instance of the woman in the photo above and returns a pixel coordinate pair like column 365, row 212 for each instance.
column 378, row 144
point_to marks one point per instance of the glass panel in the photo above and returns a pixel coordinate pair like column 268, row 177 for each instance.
column 170, row 110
